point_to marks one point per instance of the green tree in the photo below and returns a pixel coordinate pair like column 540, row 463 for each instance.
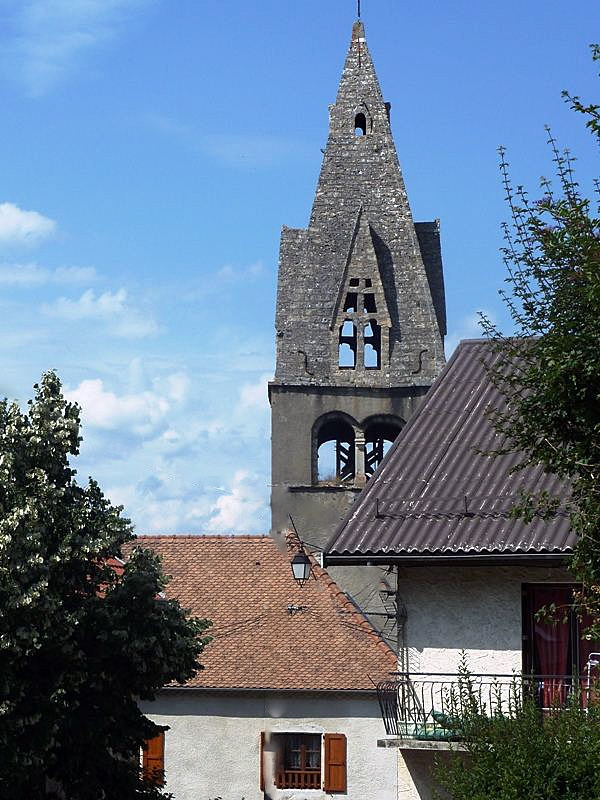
column 555, row 756
column 82, row 637
column 549, row 370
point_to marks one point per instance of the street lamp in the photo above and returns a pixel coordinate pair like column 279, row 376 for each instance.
column 301, row 567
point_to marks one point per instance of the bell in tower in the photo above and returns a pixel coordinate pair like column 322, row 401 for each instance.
column 360, row 315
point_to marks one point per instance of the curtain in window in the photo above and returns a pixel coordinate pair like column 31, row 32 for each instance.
column 552, row 643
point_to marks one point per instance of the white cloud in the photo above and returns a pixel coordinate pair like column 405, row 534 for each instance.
column 88, row 306
column 110, row 307
column 20, row 227
column 140, row 413
column 229, row 273
column 178, row 385
column 32, row 275
column 468, row 328
column 234, row 511
column 254, row 396
column 51, row 36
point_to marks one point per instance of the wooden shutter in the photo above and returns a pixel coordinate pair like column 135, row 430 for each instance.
column 335, row 762
column 153, row 760
column 262, row 761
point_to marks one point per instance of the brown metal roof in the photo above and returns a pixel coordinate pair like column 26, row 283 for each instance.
column 435, row 494
column 269, row 633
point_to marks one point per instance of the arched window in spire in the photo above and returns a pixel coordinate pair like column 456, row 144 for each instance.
column 360, row 124
column 372, row 344
column 347, row 345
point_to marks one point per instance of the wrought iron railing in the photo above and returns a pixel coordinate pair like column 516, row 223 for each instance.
column 431, row 706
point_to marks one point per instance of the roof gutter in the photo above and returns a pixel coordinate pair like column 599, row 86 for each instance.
column 457, row 559
column 261, row 690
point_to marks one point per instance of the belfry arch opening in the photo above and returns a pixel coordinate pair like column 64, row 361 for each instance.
column 360, row 125
column 335, row 457
column 379, row 437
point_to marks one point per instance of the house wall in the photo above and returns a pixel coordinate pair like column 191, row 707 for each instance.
column 472, row 609
column 452, row 609
column 212, row 746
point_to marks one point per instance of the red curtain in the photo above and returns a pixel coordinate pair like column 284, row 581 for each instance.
column 551, row 642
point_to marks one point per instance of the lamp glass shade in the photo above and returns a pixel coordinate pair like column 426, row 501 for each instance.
column 301, row 567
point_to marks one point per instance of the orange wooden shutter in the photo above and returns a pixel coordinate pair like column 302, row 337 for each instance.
column 262, row 761
column 153, row 760
column 335, row 762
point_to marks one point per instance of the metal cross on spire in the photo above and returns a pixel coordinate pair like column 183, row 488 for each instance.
column 358, row 3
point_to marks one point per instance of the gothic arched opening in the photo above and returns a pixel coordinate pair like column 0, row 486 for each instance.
column 335, row 451
column 379, row 437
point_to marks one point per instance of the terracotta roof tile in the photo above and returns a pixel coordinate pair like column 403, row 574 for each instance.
column 244, row 585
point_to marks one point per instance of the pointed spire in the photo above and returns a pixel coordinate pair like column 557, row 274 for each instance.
column 361, row 229
column 358, row 32
column 360, row 151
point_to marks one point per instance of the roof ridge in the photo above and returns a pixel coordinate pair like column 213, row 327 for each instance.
column 207, row 536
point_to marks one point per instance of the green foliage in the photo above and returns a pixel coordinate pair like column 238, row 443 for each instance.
column 81, row 637
column 529, row 755
column 514, row 750
column 549, row 371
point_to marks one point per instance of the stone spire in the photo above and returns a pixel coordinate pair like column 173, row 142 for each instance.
column 360, row 177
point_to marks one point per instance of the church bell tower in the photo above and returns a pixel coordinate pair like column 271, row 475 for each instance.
column 360, row 317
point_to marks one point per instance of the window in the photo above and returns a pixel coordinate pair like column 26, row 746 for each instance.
column 369, row 304
column 335, row 451
column 554, row 647
column 347, row 345
column 372, row 344
column 153, row 760
column 308, row 761
column 360, row 125
column 360, row 330
column 298, row 761
column 379, row 437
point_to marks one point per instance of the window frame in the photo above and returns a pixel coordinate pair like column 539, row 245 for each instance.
column 575, row 665
column 331, row 774
column 300, row 776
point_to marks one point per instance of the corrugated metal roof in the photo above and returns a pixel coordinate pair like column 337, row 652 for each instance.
column 436, row 493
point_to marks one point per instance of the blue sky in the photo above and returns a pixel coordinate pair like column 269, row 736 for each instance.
column 152, row 149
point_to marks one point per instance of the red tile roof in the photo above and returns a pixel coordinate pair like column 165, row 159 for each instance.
column 244, row 585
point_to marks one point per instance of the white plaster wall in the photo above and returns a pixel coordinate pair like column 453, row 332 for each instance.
column 212, row 747
column 452, row 609
column 475, row 609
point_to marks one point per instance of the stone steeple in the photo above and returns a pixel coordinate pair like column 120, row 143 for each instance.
column 360, row 314
column 360, row 176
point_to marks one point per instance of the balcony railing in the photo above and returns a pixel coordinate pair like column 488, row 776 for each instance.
column 428, row 706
